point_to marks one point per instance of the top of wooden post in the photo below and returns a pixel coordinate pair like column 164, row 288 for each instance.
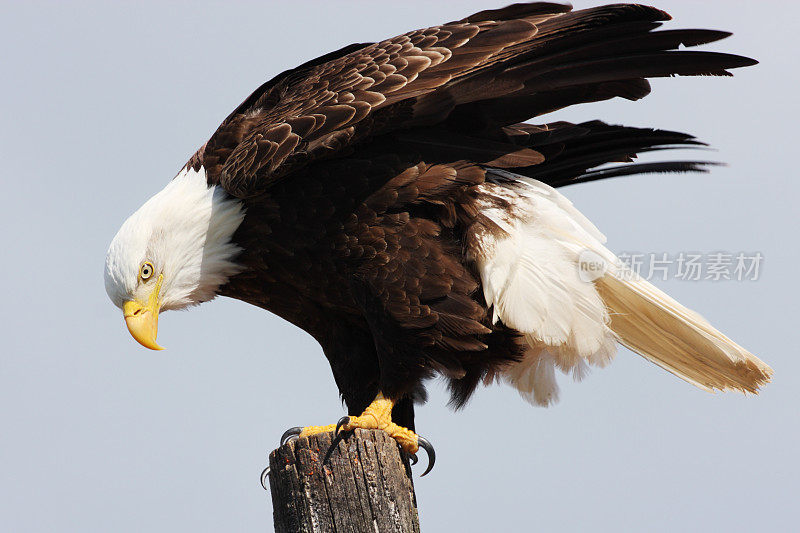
column 365, row 486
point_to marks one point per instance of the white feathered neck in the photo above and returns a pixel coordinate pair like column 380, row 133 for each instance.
column 185, row 230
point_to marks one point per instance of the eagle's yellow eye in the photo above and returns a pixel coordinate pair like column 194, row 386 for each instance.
column 146, row 270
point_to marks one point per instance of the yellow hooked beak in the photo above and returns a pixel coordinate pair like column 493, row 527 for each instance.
column 142, row 319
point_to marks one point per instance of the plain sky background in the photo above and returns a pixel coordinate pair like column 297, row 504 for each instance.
column 101, row 104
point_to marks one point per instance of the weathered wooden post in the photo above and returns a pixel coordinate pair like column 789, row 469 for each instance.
column 365, row 486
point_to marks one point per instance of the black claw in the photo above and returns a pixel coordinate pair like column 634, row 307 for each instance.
column 338, row 436
column 342, row 421
column 289, row 433
column 411, row 457
column 425, row 445
column 264, row 476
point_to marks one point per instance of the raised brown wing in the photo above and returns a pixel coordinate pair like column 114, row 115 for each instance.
column 315, row 110
column 486, row 71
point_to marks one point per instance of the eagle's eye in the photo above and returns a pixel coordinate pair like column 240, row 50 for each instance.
column 146, row 270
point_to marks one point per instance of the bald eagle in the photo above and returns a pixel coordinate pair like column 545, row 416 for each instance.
column 390, row 199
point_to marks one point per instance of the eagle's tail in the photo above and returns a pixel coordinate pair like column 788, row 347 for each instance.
column 546, row 273
column 677, row 339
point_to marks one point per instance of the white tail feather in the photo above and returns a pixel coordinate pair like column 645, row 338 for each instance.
column 677, row 339
column 529, row 261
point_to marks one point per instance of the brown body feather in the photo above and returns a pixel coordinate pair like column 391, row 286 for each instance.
column 359, row 172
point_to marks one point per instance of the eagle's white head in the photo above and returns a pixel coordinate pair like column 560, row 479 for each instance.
column 174, row 252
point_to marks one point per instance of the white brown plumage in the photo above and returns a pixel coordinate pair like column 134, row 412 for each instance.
column 531, row 277
column 389, row 199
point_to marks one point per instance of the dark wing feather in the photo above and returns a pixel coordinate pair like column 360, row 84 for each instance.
column 487, row 71
column 331, row 101
column 525, row 10
column 559, row 153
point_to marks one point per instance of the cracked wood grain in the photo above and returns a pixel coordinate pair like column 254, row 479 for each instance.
column 364, row 487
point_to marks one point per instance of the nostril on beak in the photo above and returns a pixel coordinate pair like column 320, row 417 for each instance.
column 138, row 312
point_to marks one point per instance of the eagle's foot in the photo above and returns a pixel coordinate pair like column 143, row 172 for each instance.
column 377, row 416
column 409, row 441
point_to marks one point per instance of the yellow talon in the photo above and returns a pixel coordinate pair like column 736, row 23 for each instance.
column 377, row 416
column 314, row 430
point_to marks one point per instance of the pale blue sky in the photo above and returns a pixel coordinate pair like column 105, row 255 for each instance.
column 102, row 103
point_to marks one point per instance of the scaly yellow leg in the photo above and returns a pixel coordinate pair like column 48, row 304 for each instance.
column 377, row 416
column 314, row 430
